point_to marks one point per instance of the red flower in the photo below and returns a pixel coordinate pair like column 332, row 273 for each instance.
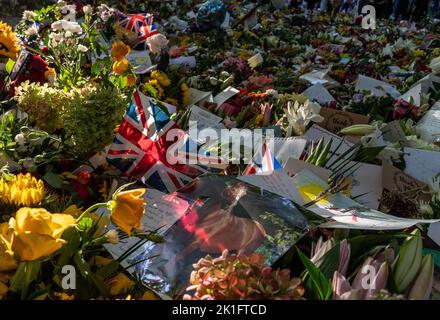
column 84, row 177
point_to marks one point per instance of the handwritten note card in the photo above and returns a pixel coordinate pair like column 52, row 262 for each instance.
column 336, row 120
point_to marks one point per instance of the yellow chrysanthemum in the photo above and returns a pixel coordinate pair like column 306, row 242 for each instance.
column 120, row 50
column 8, row 42
column 22, row 190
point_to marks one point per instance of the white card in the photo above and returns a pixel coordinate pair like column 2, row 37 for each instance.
column 196, row 96
column 434, row 232
column 277, row 182
column 318, row 93
column 345, row 212
column 414, row 94
column 255, row 60
column 429, row 126
column 367, row 179
column 295, row 166
column 226, row 94
column 286, row 148
column 140, row 60
column 205, row 119
column 377, row 87
column 161, row 211
column 422, row 164
column 187, row 61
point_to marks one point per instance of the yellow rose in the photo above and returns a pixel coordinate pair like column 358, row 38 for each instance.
column 128, row 210
column 120, row 284
column 7, row 262
column 119, row 67
column 37, row 232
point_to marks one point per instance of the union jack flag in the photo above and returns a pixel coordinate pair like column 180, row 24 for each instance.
column 142, row 24
column 144, row 147
column 263, row 163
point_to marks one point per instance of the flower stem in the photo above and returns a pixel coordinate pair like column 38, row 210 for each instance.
column 92, row 208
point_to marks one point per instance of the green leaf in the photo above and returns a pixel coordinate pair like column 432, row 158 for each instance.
column 53, row 180
column 26, row 273
column 108, row 270
column 86, row 273
column 72, row 246
column 319, row 283
column 9, row 65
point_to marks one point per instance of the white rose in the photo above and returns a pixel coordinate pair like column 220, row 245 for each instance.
column 20, row 139
column 88, row 10
column 157, row 42
column 29, row 15
column 68, row 34
column 82, row 48
column 58, row 25
column 31, row 31
column 112, row 236
column 56, row 36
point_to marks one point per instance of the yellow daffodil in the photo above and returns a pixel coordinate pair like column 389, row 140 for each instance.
column 22, row 190
column 120, row 284
column 120, row 50
column 37, row 232
column 8, row 42
column 127, row 209
column 119, row 67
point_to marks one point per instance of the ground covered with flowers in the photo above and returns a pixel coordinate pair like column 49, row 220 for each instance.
column 69, row 74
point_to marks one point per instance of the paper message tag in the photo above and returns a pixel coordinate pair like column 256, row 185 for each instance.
column 205, row 119
column 196, row 96
column 255, row 60
column 393, row 132
column 187, row 61
column 366, row 183
column 140, row 60
column 295, row 166
column 422, row 164
column 318, row 93
column 395, row 180
column 429, row 126
column 226, row 94
column 345, row 212
column 377, row 87
column 336, row 120
column 161, row 211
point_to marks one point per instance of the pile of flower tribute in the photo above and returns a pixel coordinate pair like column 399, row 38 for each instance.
column 68, row 75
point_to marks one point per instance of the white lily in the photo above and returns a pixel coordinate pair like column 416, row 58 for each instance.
column 300, row 115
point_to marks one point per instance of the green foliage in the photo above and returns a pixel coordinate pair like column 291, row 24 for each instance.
column 90, row 118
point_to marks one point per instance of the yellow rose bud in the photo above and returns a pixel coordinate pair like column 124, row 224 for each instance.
column 119, row 67
column 120, row 284
column 37, row 232
column 128, row 210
